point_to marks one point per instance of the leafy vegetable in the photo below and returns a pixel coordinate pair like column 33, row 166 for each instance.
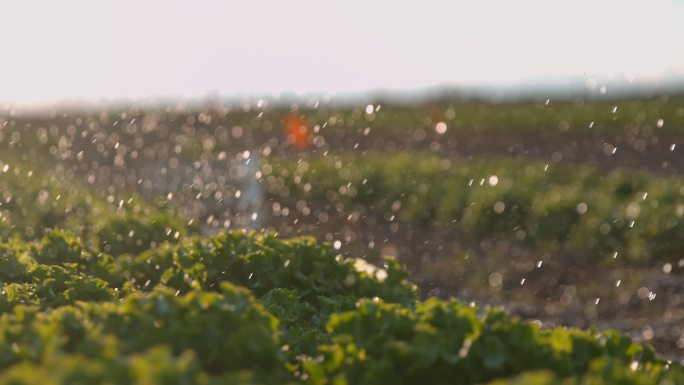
column 247, row 308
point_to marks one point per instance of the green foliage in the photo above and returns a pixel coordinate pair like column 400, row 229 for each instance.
column 52, row 286
column 134, row 234
column 55, row 271
column 450, row 343
column 34, row 202
column 11, row 269
column 556, row 208
column 301, row 324
column 207, row 325
column 210, row 324
column 604, row 371
column 245, row 308
column 299, row 280
column 156, row 366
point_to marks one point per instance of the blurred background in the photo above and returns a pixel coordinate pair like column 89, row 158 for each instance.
column 522, row 154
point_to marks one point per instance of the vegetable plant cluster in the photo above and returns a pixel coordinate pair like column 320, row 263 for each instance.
column 248, row 308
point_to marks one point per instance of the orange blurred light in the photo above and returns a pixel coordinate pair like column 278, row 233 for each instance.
column 297, row 131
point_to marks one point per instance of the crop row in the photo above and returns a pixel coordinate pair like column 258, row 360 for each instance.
column 32, row 200
column 615, row 116
column 578, row 210
column 581, row 210
column 242, row 308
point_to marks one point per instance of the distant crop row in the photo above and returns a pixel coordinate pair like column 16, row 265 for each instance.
column 562, row 117
column 633, row 216
column 624, row 214
column 254, row 309
column 224, row 125
column 33, row 200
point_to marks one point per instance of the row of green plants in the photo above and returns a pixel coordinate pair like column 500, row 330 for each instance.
column 248, row 308
column 575, row 117
column 638, row 116
column 578, row 209
column 33, row 200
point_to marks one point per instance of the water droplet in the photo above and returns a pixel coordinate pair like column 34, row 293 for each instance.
column 582, row 208
column 495, row 280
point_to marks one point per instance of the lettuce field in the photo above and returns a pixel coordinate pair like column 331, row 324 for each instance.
column 306, row 242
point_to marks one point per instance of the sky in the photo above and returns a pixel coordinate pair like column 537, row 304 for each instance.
column 90, row 49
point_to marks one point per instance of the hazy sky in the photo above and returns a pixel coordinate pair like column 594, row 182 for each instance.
column 87, row 49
